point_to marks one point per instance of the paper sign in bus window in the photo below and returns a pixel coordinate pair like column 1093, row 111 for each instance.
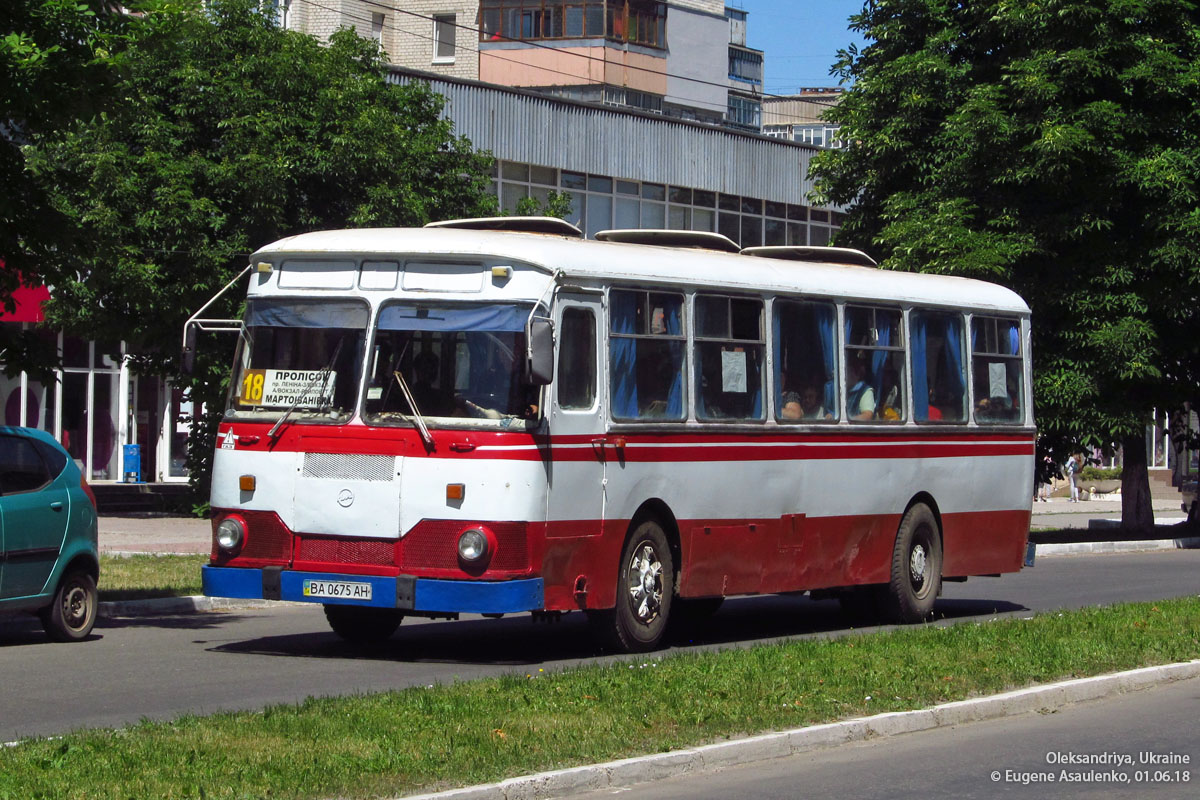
column 287, row 387
column 997, row 379
column 733, row 371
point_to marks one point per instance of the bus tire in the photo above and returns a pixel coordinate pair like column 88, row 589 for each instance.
column 916, row 568
column 362, row 625
column 645, row 589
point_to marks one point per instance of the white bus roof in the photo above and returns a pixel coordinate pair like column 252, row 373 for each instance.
column 594, row 262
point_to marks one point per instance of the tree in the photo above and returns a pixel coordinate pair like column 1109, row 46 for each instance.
column 56, row 66
column 1052, row 146
column 232, row 133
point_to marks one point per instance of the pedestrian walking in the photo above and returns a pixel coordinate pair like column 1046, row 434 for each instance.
column 1073, row 465
column 1043, row 480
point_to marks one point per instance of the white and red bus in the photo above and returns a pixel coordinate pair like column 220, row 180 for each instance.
column 499, row 417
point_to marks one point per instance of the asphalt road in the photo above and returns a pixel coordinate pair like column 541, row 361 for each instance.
column 161, row 667
column 1029, row 756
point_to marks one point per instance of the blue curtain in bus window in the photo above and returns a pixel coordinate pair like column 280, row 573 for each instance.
column 824, row 317
column 777, row 344
column 878, row 360
column 491, row 317
column 1014, row 339
column 674, row 324
column 919, row 372
column 292, row 314
column 624, row 354
column 955, row 384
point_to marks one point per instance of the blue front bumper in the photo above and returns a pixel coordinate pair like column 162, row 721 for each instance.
column 404, row 592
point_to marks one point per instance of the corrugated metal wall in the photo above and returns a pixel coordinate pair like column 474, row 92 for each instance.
column 519, row 126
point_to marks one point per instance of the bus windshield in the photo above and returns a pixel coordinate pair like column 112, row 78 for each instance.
column 299, row 356
column 462, row 364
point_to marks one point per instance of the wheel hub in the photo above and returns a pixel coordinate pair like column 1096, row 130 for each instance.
column 916, row 564
column 645, row 584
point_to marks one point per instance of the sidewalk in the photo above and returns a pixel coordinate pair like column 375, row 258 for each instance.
column 122, row 534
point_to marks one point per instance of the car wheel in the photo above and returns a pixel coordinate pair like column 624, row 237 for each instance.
column 362, row 625
column 72, row 614
column 916, row 568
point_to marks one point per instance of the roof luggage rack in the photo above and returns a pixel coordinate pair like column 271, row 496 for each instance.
column 828, row 255
column 548, row 225
column 700, row 240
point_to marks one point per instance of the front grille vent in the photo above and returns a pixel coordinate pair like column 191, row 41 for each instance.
column 337, row 466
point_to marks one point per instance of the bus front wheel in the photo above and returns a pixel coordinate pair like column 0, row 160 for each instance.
column 645, row 588
column 916, row 576
column 362, row 625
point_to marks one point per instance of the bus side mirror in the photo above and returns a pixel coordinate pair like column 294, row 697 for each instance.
column 539, row 358
column 188, row 357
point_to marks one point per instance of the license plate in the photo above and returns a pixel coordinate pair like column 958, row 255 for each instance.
column 342, row 590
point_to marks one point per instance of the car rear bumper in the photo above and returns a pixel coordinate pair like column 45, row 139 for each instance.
column 403, row 592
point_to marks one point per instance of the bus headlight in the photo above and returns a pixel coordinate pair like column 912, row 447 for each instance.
column 231, row 535
column 473, row 546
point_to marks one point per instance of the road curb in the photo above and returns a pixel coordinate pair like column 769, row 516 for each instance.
column 1131, row 546
column 193, row 604
column 643, row 769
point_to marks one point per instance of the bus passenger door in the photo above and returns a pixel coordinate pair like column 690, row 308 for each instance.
column 575, row 501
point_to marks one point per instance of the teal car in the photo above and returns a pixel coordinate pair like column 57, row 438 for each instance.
column 49, row 562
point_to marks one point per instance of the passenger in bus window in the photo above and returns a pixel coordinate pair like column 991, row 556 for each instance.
column 790, row 407
column 860, row 400
column 431, row 400
column 810, row 404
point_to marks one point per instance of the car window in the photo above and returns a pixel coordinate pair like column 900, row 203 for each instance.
column 55, row 459
column 21, row 468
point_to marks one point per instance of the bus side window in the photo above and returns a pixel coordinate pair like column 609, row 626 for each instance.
column 805, row 362
column 646, row 344
column 997, row 370
column 577, row 359
column 939, row 386
column 874, row 365
column 729, row 358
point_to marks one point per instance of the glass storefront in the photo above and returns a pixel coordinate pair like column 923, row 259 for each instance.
column 94, row 406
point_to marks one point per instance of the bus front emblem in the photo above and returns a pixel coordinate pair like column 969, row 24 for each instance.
column 345, row 498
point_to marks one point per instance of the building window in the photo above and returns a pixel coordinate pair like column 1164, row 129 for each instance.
column 443, row 38
column 599, row 202
column 746, row 65
column 635, row 21
column 744, row 112
column 377, row 27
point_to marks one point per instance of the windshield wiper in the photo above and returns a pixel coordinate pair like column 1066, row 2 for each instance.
column 422, row 428
column 320, row 378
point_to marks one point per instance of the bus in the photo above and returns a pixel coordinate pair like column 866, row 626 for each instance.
column 500, row 416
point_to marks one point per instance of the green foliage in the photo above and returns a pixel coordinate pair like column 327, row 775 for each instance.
column 232, row 133
column 56, row 66
column 1100, row 474
column 557, row 204
column 1052, row 146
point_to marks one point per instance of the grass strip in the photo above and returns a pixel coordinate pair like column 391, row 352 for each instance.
column 423, row 739
column 144, row 576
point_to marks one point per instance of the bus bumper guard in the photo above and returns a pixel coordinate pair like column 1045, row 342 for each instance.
column 404, row 592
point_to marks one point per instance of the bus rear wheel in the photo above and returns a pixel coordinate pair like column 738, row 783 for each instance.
column 645, row 589
column 916, row 568
column 362, row 625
